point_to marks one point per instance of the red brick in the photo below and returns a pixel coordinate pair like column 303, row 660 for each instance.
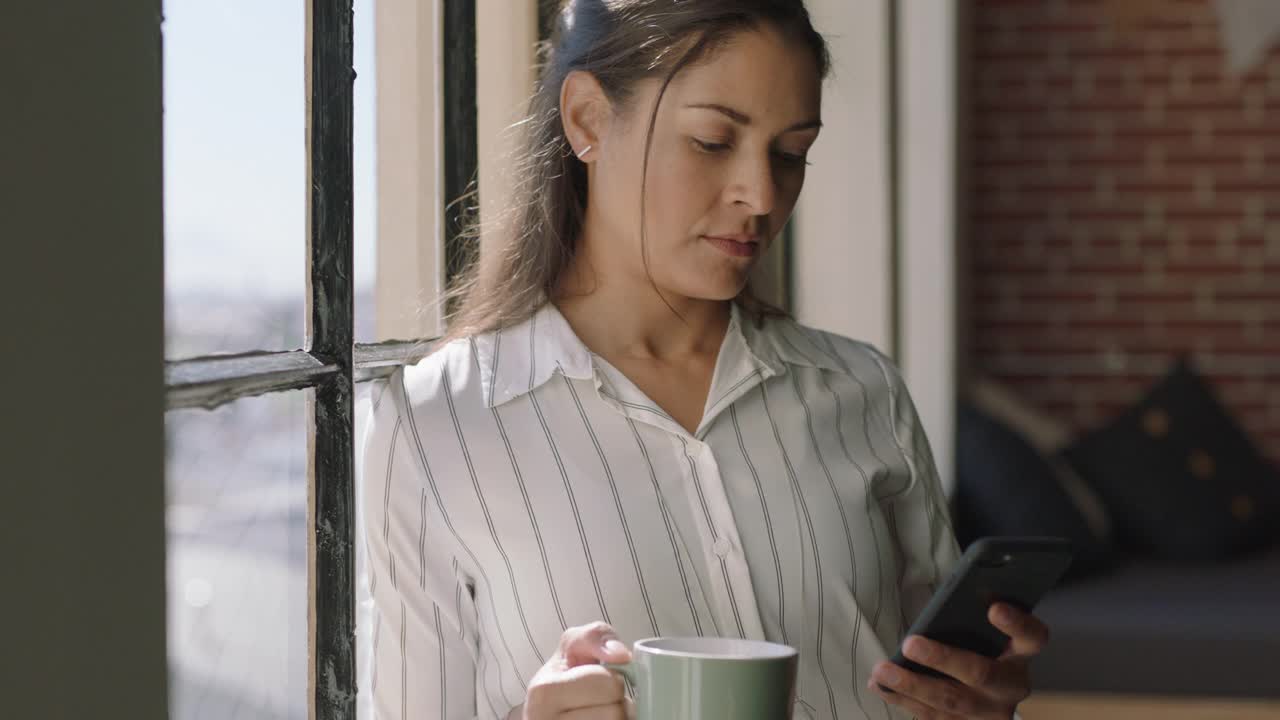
column 1098, row 225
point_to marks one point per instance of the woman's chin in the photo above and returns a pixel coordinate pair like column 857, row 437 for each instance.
column 711, row 282
column 720, row 291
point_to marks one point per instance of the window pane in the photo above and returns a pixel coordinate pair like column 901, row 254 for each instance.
column 234, row 175
column 366, row 208
column 237, row 548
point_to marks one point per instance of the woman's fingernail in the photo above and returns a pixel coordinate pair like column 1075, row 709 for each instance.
column 890, row 676
column 614, row 647
column 921, row 648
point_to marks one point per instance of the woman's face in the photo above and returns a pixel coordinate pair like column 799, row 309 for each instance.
column 725, row 168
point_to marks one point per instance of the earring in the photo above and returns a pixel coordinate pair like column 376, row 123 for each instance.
column 583, row 152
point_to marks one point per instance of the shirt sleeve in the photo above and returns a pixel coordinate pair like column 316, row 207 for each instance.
column 423, row 639
column 920, row 516
column 923, row 519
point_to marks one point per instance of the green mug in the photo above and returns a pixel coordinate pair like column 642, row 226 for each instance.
column 711, row 678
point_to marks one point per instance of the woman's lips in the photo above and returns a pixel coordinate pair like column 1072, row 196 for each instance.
column 734, row 247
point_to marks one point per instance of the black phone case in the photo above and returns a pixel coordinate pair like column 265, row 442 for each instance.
column 1014, row 570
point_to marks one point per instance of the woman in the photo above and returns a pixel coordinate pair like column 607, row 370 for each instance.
column 616, row 441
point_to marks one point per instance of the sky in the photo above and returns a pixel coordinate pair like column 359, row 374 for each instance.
column 235, row 162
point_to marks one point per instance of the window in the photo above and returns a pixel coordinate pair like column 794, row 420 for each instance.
column 271, row 219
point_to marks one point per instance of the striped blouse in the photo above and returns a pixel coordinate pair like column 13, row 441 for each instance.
column 516, row 484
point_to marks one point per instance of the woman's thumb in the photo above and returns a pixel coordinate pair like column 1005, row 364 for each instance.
column 593, row 643
column 615, row 651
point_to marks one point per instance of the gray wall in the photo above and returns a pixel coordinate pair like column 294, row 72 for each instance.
column 82, row 594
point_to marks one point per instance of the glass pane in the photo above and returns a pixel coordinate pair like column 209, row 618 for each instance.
column 366, row 208
column 234, row 175
column 237, row 549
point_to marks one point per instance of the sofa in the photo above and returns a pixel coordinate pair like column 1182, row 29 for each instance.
column 1176, row 517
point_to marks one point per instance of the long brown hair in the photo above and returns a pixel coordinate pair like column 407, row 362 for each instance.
column 620, row 42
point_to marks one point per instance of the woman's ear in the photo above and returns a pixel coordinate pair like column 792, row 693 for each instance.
column 584, row 110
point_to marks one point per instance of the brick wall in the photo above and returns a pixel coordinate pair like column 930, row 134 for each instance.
column 1124, row 206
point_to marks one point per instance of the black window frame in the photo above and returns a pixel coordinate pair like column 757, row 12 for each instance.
column 331, row 362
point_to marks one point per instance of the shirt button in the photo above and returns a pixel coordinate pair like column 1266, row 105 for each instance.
column 721, row 547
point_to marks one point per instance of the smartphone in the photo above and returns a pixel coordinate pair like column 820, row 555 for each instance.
column 1012, row 569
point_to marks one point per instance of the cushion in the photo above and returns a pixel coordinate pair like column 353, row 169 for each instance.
column 1004, row 486
column 1045, row 433
column 1179, row 476
column 1048, row 436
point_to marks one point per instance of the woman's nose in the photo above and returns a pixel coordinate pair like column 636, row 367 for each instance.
column 754, row 185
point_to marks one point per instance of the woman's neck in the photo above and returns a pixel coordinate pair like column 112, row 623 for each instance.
column 619, row 317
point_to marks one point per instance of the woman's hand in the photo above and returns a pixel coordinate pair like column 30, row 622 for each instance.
column 572, row 685
column 983, row 689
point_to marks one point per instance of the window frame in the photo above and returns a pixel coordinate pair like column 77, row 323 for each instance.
column 331, row 362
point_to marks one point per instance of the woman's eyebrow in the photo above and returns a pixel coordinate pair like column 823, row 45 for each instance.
column 743, row 119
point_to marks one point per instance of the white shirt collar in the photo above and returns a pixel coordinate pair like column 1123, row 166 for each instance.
column 517, row 360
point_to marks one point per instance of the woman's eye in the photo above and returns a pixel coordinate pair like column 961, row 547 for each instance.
column 792, row 159
column 710, row 146
column 789, row 159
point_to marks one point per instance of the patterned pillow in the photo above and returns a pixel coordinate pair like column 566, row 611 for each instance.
column 1179, row 475
column 1048, row 436
column 1004, row 486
